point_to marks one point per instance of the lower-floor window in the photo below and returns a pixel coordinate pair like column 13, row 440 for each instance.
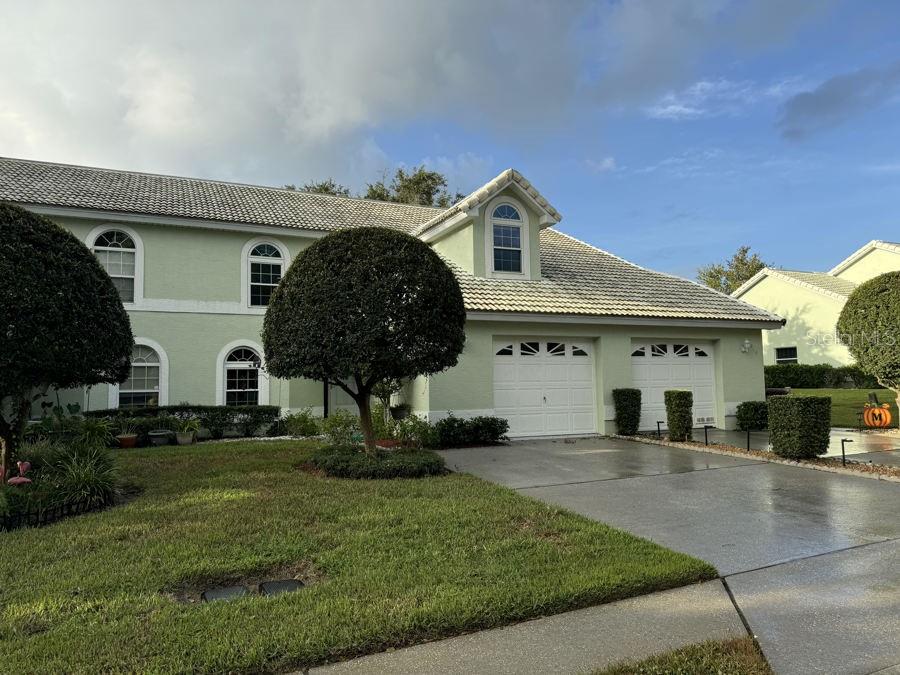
column 786, row 355
column 242, row 377
column 142, row 386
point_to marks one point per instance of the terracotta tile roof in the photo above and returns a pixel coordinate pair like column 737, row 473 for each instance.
column 48, row 184
column 579, row 279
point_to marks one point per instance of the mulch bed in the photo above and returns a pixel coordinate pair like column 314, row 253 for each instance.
column 830, row 464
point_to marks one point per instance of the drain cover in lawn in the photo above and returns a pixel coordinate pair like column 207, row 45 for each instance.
column 226, row 593
column 278, row 587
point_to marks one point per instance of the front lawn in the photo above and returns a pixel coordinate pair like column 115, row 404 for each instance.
column 390, row 563
column 845, row 403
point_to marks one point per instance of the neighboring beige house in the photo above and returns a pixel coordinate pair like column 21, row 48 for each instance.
column 811, row 303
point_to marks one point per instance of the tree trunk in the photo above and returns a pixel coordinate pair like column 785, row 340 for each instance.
column 4, row 458
column 365, row 421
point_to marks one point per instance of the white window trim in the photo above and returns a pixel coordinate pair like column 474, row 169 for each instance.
column 91, row 239
column 220, row 370
column 113, row 401
column 489, row 240
column 245, row 268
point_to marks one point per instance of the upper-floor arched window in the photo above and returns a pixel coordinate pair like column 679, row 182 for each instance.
column 266, row 266
column 506, row 227
column 117, row 252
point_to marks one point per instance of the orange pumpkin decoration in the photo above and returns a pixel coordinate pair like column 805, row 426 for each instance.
column 877, row 416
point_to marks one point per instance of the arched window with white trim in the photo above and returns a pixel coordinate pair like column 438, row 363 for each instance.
column 242, row 377
column 117, row 252
column 266, row 266
column 142, row 388
column 506, row 239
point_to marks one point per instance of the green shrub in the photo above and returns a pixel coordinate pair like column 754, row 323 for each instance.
column 679, row 414
column 382, row 428
column 340, row 428
column 302, row 423
column 94, row 432
column 799, row 426
column 216, row 419
column 86, row 476
column 753, row 416
column 456, row 432
column 818, row 376
column 415, row 432
column 43, row 454
column 627, row 404
column 341, row 461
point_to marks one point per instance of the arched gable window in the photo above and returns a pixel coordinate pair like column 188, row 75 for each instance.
column 506, row 224
column 264, row 263
column 117, row 252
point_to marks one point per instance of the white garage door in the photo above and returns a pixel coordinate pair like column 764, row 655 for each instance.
column 658, row 366
column 544, row 387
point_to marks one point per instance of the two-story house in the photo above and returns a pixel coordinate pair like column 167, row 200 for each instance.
column 553, row 324
column 811, row 303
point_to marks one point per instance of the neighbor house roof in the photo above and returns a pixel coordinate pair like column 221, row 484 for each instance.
column 44, row 183
column 577, row 279
column 859, row 253
column 580, row 279
column 821, row 282
column 487, row 191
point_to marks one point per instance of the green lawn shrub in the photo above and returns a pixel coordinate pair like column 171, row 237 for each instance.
column 799, row 426
column 753, row 416
column 342, row 461
column 458, row 432
column 248, row 420
column 302, row 423
column 627, row 404
column 679, row 414
column 414, row 432
column 341, row 428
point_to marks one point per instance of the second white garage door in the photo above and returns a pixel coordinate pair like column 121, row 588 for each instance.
column 658, row 366
column 544, row 387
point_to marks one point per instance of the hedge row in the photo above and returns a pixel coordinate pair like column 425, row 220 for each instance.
column 249, row 420
column 799, row 426
column 753, row 416
column 457, row 432
column 818, row 376
column 349, row 462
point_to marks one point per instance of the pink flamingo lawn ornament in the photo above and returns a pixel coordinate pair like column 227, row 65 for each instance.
column 24, row 468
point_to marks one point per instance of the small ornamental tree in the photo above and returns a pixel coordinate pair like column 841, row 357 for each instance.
column 362, row 306
column 62, row 323
column 870, row 327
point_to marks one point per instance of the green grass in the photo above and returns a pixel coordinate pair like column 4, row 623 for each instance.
column 845, row 403
column 728, row 657
column 396, row 562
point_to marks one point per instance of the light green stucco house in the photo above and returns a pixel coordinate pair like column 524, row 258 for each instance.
column 811, row 303
column 553, row 326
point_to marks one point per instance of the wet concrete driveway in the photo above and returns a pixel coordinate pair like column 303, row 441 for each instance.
column 812, row 558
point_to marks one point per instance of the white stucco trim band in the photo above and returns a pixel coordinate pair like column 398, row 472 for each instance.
column 621, row 320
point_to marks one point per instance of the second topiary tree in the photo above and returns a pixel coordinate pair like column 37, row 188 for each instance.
column 679, row 414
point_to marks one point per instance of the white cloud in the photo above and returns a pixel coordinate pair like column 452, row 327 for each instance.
column 712, row 98
column 602, row 165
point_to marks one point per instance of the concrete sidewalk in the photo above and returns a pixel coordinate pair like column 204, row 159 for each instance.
column 573, row 642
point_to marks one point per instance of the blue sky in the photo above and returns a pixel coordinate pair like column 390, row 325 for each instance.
column 668, row 132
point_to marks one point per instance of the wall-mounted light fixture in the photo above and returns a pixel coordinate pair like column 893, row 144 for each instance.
column 746, row 346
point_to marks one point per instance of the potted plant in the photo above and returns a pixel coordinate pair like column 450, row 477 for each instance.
column 187, row 430
column 127, row 436
column 162, row 435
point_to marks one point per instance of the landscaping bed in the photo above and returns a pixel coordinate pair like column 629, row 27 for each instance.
column 387, row 563
column 831, row 464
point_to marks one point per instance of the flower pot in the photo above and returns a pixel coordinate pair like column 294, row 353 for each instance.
column 184, row 437
column 127, row 440
column 160, row 437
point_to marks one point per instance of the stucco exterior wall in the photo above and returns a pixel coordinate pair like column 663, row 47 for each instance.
column 459, row 246
column 468, row 389
column 811, row 322
column 872, row 264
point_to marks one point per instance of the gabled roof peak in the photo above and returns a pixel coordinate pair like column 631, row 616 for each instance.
column 482, row 195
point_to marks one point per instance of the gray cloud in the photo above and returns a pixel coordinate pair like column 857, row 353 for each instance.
column 837, row 100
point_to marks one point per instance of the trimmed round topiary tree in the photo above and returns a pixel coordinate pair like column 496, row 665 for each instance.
column 870, row 327
column 361, row 306
column 63, row 322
